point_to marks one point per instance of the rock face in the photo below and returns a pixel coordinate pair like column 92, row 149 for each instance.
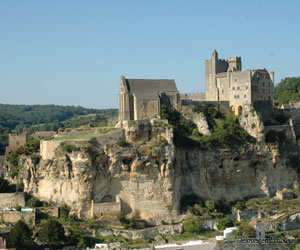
column 151, row 174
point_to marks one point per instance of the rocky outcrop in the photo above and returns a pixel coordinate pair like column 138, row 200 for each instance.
column 151, row 174
column 199, row 119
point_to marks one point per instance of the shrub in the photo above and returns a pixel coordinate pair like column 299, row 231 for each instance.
column 240, row 205
column 18, row 208
column 196, row 109
column 20, row 235
column 253, row 125
column 246, row 230
column 193, row 225
column 224, row 222
column 33, row 202
column 64, row 211
column 122, row 142
column 69, row 148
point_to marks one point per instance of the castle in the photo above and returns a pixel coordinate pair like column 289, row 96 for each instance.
column 225, row 81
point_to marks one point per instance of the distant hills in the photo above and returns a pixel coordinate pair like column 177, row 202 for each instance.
column 45, row 117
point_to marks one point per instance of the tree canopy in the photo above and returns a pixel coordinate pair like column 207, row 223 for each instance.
column 20, row 235
column 288, row 90
column 52, row 233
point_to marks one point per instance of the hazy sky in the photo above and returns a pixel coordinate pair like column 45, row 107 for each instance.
column 73, row 52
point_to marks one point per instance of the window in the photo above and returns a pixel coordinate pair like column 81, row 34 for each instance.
column 269, row 91
column 233, row 88
column 235, row 80
column 223, row 91
column 246, row 87
column 238, row 88
column 269, row 84
column 263, row 84
column 234, row 96
column 245, row 96
column 263, row 91
column 237, row 96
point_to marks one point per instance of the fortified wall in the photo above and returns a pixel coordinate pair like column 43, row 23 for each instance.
column 200, row 97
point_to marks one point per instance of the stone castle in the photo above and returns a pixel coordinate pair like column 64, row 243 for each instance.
column 224, row 82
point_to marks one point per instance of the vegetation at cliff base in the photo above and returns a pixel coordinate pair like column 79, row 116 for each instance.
column 20, row 235
column 288, row 90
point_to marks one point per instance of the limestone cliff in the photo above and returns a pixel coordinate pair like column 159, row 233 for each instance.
column 151, row 174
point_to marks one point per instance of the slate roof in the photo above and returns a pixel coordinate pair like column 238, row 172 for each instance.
column 150, row 85
column 146, row 95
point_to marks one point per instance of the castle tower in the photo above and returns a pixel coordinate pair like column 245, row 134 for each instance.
column 234, row 64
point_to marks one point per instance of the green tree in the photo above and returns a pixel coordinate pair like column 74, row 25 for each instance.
column 20, row 235
column 52, row 233
column 246, row 230
column 224, row 222
column 193, row 225
column 288, row 90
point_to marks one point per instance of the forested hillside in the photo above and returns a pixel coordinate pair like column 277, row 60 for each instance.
column 288, row 90
column 44, row 117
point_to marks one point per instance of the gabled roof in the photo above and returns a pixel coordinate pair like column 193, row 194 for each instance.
column 150, row 85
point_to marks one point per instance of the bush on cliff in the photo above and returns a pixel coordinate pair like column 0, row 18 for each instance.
column 225, row 131
column 193, row 225
column 224, row 222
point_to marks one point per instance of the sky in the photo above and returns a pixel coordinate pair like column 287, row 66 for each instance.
column 74, row 52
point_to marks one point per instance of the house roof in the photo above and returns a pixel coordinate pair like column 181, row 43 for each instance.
column 255, row 223
column 39, row 134
column 151, row 85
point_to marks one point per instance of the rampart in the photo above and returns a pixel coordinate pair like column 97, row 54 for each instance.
column 193, row 96
column 105, row 209
column 11, row 200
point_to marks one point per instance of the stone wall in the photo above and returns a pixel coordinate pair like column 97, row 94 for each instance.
column 105, row 209
column 13, row 217
column 11, row 200
column 48, row 148
column 193, row 96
